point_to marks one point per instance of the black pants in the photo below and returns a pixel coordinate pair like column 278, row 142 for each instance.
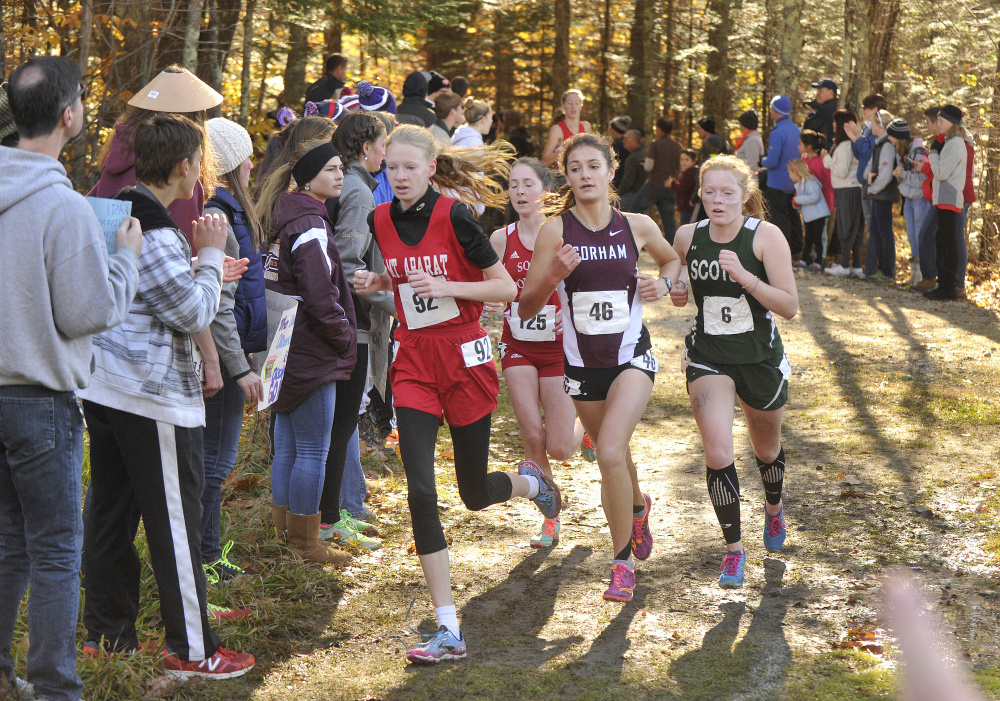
column 947, row 249
column 783, row 215
column 880, row 254
column 850, row 226
column 478, row 489
column 159, row 467
column 345, row 420
column 813, row 250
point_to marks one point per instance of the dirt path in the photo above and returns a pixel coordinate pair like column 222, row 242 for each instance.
column 892, row 443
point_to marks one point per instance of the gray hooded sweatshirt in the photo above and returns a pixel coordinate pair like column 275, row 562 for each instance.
column 58, row 286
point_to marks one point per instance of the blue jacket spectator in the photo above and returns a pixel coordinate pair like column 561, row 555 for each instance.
column 862, row 150
column 782, row 146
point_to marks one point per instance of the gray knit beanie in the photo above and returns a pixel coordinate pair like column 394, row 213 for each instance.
column 230, row 142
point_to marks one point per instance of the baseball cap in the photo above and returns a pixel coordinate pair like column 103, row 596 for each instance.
column 826, row 83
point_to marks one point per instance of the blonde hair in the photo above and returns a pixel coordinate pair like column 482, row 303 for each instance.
column 955, row 130
column 475, row 175
column 474, row 110
column 571, row 91
column 754, row 205
column 800, row 168
column 277, row 183
column 555, row 204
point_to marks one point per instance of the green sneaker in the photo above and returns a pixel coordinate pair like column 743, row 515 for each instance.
column 588, row 449
column 222, row 572
column 357, row 523
column 549, row 535
column 347, row 533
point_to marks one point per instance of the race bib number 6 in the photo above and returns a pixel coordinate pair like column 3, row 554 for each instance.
column 541, row 327
column 601, row 312
column 421, row 312
column 477, row 352
column 725, row 316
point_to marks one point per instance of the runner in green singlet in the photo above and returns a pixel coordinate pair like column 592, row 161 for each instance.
column 739, row 269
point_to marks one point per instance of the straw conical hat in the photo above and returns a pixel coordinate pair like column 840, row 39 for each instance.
column 176, row 90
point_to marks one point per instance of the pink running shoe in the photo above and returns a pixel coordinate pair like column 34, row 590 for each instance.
column 642, row 539
column 622, row 583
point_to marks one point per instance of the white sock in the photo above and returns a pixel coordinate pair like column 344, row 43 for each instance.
column 532, row 486
column 448, row 618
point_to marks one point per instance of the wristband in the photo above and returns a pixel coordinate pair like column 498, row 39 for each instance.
column 670, row 285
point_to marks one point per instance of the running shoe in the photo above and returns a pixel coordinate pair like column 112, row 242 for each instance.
column 443, row 647
column 588, row 449
column 221, row 613
column 346, row 532
column 733, row 570
column 622, row 582
column 22, row 690
column 642, row 539
column 222, row 572
column 94, row 650
column 549, row 535
column 838, row 270
column 859, row 273
column 224, row 664
column 548, row 500
column 774, row 530
column 361, row 525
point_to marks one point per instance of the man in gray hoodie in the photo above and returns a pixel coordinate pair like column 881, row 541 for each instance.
column 58, row 288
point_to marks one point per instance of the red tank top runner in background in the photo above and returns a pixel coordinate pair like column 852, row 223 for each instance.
column 517, row 261
column 438, row 254
column 566, row 132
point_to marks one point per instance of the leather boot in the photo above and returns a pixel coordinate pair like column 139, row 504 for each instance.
column 278, row 518
column 303, row 539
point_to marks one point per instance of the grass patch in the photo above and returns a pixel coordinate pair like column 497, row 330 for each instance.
column 963, row 412
column 841, row 675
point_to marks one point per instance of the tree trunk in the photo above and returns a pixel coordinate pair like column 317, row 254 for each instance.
column 720, row 66
column 602, row 89
column 192, row 30
column 560, row 57
column 503, row 60
column 247, row 61
column 333, row 33
column 791, row 39
column 882, row 16
column 266, row 62
column 855, row 76
column 668, row 55
column 638, row 91
column 295, row 66
column 3, row 41
column 83, row 45
column 989, row 237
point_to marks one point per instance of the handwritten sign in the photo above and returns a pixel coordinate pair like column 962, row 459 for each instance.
column 273, row 371
column 110, row 214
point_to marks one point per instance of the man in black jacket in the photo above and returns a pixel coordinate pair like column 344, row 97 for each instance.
column 414, row 109
column 821, row 121
column 328, row 87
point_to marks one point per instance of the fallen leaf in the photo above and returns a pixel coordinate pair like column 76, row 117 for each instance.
column 982, row 509
column 447, row 453
column 676, row 635
column 840, row 475
column 412, row 549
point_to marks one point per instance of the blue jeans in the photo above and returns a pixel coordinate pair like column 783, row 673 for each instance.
column 353, row 489
column 223, row 425
column 914, row 212
column 41, row 532
column 301, row 442
column 927, row 241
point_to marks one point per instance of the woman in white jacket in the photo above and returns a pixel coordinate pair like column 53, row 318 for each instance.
column 843, row 168
column 478, row 120
column 948, row 157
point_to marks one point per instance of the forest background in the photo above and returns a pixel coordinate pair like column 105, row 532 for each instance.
column 643, row 58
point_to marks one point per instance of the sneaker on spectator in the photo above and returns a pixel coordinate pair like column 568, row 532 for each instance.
column 222, row 572
column 221, row 613
column 838, row 270
column 22, row 691
column 800, row 264
column 815, row 267
column 859, row 273
column 224, row 664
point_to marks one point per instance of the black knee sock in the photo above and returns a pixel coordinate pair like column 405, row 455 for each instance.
column 772, row 474
column 724, row 490
column 625, row 552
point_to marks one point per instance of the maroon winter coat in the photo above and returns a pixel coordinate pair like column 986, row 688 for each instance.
column 304, row 263
column 119, row 173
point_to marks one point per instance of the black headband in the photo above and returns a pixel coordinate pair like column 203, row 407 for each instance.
column 309, row 166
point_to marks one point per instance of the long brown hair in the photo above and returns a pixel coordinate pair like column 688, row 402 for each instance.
column 231, row 181
column 284, row 143
column 755, row 205
column 475, row 175
column 554, row 204
column 276, row 184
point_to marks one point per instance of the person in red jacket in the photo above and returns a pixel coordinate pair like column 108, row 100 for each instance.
column 686, row 184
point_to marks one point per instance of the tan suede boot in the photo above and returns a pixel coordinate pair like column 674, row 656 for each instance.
column 278, row 518
column 303, row 539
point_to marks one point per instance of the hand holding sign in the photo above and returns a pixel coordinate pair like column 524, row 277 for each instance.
column 129, row 234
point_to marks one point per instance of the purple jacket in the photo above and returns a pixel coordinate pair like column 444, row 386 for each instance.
column 304, row 263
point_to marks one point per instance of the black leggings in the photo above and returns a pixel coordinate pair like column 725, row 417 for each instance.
column 417, row 439
column 813, row 250
column 345, row 421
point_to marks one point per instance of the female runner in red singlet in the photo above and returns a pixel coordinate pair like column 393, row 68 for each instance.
column 441, row 267
column 531, row 354
column 569, row 126
column 589, row 252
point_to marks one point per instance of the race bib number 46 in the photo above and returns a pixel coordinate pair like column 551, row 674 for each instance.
column 725, row 316
column 477, row 352
column 421, row 312
column 601, row 312
column 541, row 327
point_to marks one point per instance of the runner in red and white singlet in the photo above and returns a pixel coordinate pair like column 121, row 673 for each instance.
column 441, row 269
column 590, row 254
column 566, row 128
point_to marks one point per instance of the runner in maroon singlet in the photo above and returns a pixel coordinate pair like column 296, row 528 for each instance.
column 531, row 352
column 589, row 253
column 566, row 128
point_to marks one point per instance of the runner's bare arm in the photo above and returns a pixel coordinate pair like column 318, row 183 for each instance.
column 366, row 282
column 497, row 287
column 499, row 241
column 682, row 242
column 778, row 294
column 550, row 153
column 546, row 272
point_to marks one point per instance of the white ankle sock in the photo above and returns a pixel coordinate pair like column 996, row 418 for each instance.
column 448, row 618
column 532, row 486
